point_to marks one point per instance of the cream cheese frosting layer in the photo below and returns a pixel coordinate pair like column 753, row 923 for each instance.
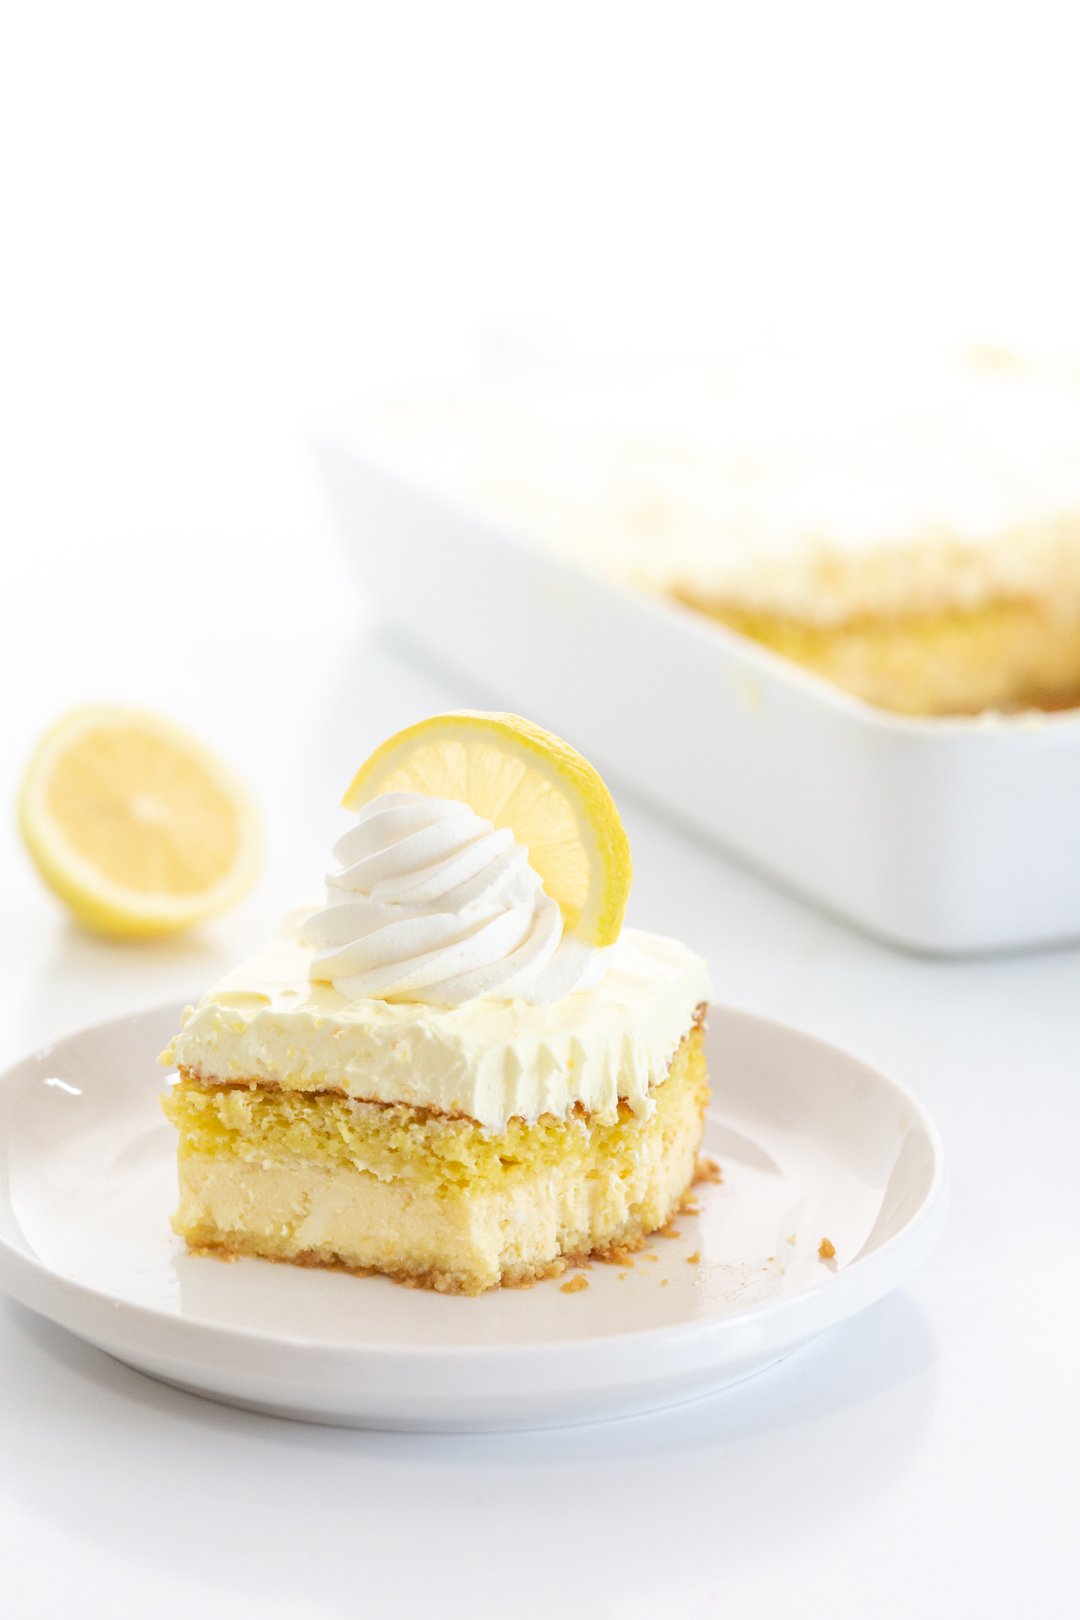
column 490, row 1060
column 801, row 484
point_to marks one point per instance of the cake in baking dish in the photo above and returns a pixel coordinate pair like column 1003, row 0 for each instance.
column 905, row 526
column 461, row 1071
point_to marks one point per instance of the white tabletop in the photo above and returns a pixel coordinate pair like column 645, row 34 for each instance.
column 919, row 1460
column 219, row 220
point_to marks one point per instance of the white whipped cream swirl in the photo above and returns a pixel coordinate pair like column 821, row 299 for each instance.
column 432, row 903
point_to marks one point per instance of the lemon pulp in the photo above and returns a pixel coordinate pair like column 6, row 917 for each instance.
column 134, row 824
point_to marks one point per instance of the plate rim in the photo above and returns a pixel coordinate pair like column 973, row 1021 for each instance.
column 17, row 1261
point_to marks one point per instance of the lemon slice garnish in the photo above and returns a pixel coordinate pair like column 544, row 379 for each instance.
column 518, row 775
column 134, row 824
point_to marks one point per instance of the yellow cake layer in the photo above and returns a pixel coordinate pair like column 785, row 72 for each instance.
column 426, row 1198
column 1005, row 655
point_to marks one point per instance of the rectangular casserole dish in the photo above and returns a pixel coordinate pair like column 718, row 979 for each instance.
column 947, row 836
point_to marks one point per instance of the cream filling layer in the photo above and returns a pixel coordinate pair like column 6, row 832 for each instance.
column 493, row 1061
column 341, row 1215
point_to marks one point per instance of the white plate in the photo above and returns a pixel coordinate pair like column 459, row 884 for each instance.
column 813, row 1144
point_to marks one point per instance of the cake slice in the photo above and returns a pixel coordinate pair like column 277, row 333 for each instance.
column 454, row 1148
column 433, row 1077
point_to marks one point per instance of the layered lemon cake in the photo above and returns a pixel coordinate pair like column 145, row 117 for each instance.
column 906, row 525
column 461, row 1070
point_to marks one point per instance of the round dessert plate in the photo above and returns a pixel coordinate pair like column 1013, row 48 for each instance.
column 817, row 1153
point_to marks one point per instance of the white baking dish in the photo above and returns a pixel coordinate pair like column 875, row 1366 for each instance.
column 947, row 836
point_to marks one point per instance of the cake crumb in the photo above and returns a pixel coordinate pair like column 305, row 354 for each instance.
column 616, row 1254
column 669, row 1231
column 663, row 1282
column 694, row 1259
column 826, row 1249
column 575, row 1285
column 650, row 1256
column 790, row 1238
column 707, row 1169
column 623, row 1276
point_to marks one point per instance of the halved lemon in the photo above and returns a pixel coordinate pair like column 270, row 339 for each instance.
column 135, row 825
column 518, row 775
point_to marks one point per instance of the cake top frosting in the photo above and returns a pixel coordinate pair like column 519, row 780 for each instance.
column 492, row 1060
column 470, row 957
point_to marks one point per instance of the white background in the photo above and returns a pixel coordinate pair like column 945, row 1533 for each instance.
column 217, row 223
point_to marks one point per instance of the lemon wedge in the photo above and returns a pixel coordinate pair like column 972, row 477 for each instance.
column 518, row 775
column 134, row 824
